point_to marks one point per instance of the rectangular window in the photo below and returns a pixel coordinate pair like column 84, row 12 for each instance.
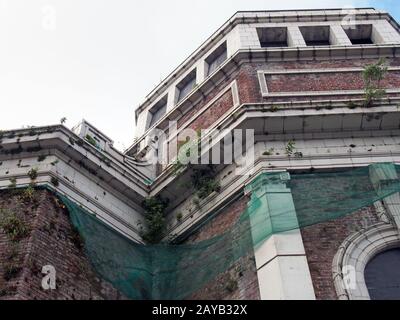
column 215, row 59
column 186, row 85
column 158, row 110
column 359, row 34
column 316, row 35
column 272, row 37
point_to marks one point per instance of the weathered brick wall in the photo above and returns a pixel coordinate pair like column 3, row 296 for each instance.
column 322, row 242
column 240, row 281
column 218, row 109
column 250, row 91
column 325, row 82
column 49, row 240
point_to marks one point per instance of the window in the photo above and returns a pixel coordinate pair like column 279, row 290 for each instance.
column 316, row 35
column 215, row 59
column 186, row 85
column 272, row 37
column 359, row 34
column 382, row 276
column 158, row 110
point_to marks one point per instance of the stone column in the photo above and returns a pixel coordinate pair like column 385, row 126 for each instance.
column 295, row 38
column 282, row 267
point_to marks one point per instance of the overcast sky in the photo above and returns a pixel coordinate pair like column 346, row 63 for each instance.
column 98, row 59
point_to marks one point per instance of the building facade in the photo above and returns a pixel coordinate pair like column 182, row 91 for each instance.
column 294, row 81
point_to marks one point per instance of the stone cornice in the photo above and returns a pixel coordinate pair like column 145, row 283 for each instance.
column 16, row 144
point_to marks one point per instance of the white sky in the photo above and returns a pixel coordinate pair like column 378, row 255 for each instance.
column 98, row 59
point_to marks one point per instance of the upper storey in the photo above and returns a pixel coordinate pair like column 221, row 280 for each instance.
column 272, row 34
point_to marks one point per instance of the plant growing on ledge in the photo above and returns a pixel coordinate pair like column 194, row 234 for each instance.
column 290, row 147
column 204, row 182
column 29, row 193
column 13, row 183
column 269, row 152
column 155, row 222
column 373, row 75
column 33, row 173
column 54, row 181
column 91, row 140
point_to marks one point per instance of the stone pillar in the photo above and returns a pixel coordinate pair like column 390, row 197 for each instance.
column 282, row 267
column 381, row 175
column 338, row 36
column 294, row 37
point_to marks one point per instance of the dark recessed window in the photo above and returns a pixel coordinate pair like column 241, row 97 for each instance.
column 186, row 85
column 215, row 59
column 359, row 34
column 272, row 37
column 382, row 276
column 316, row 35
column 158, row 110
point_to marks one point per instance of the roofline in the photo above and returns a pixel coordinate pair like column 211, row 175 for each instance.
column 223, row 27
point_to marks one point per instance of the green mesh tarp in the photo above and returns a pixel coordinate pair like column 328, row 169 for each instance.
column 278, row 203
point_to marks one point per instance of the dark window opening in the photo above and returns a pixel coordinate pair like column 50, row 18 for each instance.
column 186, row 85
column 272, row 37
column 382, row 276
column 215, row 59
column 158, row 111
column 359, row 34
column 316, row 35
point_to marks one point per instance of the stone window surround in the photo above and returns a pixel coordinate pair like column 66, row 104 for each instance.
column 338, row 35
column 214, row 55
column 265, row 92
column 153, row 109
column 356, row 252
column 190, row 79
column 233, row 88
column 361, row 247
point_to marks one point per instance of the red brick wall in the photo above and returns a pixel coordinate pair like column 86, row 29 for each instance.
column 322, row 242
column 220, row 107
column 250, row 92
column 50, row 241
column 243, row 274
column 325, row 82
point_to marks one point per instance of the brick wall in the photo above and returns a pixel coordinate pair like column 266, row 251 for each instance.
column 325, row 82
column 240, row 281
column 250, row 91
column 49, row 240
column 219, row 108
column 322, row 242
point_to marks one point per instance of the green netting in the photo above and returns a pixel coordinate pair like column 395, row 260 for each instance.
column 278, row 204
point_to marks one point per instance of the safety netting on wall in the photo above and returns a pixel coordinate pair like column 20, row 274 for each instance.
column 279, row 203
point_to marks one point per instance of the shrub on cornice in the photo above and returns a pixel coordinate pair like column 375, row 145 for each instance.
column 54, row 181
column 91, row 140
column 204, row 182
column 155, row 223
column 13, row 183
column 33, row 173
column 290, row 147
column 373, row 75
column 41, row 158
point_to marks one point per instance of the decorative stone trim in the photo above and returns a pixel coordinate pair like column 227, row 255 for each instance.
column 266, row 93
column 355, row 253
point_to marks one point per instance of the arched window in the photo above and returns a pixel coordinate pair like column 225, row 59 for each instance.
column 382, row 276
